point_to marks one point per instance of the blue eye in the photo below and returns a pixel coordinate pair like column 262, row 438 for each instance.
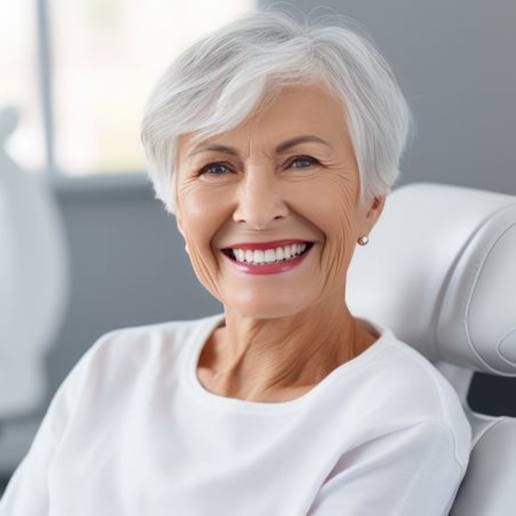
column 209, row 167
column 213, row 166
column 309, row 159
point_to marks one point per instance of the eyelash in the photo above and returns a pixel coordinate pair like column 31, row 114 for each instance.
column 205, row 169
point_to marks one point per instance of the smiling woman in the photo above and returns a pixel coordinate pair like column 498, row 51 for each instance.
column 275, row 144
column 259, row 199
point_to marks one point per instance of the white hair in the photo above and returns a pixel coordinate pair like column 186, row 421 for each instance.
column 216, row 83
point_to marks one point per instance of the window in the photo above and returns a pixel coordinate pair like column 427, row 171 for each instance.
column 91, row 65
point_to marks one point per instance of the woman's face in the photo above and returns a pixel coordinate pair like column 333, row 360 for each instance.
column 257, row 193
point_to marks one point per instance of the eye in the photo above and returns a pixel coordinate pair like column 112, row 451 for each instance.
column 210, row 167
column 308, row 159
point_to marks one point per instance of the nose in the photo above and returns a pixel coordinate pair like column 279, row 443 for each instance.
column 259, row 198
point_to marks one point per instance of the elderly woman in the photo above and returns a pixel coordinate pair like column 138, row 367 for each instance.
column 275, row 144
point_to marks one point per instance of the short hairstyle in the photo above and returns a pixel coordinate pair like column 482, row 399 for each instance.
column 216, row 82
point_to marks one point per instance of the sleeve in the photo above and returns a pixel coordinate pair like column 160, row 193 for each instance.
column 27, row 491
column 410, row 471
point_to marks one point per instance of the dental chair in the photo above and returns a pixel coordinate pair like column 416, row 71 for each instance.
column 440, row 270
column 34, row 284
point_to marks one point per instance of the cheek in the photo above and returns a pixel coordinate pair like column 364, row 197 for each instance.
column 332, row 202
column 201, row 217
column 199, row 211
column 193, row 197
column 332, row 208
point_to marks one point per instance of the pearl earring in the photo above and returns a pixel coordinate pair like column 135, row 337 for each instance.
column 363, row 240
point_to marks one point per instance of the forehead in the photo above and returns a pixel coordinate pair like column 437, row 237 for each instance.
column 299, row 109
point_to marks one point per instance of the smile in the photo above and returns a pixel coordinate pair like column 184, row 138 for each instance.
column 260, row 262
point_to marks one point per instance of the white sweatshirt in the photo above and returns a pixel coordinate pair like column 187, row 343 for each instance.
column 131, row 431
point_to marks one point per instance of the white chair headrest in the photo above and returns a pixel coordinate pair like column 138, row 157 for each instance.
column 440, row 271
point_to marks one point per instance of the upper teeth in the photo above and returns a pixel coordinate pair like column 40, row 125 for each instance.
column 268, row 255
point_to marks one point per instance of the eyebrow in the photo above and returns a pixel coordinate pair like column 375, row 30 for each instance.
column 282, row 147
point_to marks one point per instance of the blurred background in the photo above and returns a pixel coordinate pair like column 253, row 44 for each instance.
column 78, row 72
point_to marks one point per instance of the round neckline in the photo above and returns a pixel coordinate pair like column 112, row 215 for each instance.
column 210, row 323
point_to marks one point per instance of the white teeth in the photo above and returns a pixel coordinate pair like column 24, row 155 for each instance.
column 270, row 256
column 258, row 256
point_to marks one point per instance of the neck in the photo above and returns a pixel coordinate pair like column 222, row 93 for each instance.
column 252, row 358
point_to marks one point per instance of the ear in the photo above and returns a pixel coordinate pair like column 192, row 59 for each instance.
column 374, row 210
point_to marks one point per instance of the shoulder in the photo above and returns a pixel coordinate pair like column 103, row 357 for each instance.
column 411, row 391
column 416, row 378
column 122, row 353
column 130, row 341
column 118, row 362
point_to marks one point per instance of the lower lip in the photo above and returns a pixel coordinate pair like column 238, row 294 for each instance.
column 269, row 268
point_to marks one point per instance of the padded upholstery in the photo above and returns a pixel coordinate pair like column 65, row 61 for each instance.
column 439, row 270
